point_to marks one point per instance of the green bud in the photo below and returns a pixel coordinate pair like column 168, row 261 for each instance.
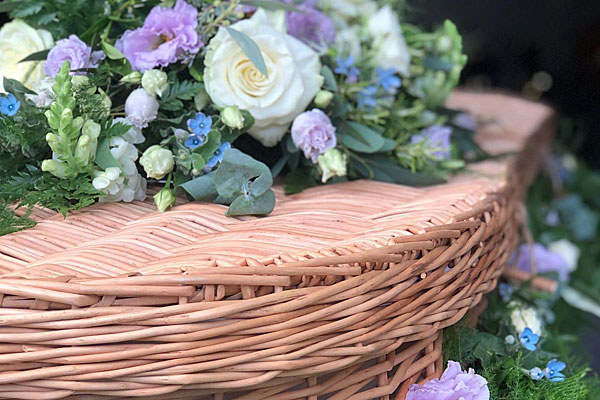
column 59, row 169
column 53, row 141
column 232, row 117
column 155, row 82
column 66, row 117
column 201, row 100
column 83, row 151
column 135, row 77
column 323, row 98
column 452, row 164
column 332, row 163
column 164, row 199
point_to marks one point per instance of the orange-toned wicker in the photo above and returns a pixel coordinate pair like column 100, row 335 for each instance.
column 341, row 293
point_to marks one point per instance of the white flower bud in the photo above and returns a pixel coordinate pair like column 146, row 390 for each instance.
column 323, row 98
column 157, row 162
column 164, row 199
column 141, row 108
column 232, row 117
column 57, row 168
column 155, row 82
column 135, row 77
column 332, row 163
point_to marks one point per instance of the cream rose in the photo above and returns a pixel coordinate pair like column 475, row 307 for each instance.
column 17, row 41
column 231, row 79
column 392, row 51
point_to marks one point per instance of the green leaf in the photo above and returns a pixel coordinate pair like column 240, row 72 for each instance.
column 261, row 205
column 272, row 5
column 298, row 180
column 202, row 188
column 361, row 138
column 104, row 158
column 7, row 6
column 438, row 64
column 198, row 162
column 385, row 170
column 15, row 87
column 330, row 82
column 578, row 300
column 37, row 56
column 185, row 90
column 111, row 52
column 278, row 167
column 212, row 144
column 241, row 176
column 251, row 49
column 389, row 145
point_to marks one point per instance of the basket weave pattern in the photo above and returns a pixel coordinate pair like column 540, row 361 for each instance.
column 340, row 294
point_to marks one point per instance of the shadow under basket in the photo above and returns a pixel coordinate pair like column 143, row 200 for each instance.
column 340, row 294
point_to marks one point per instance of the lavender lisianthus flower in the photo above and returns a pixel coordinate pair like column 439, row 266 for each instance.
column 166, row 36
column 311, row 26
column 455, row 384
column 313, row 133
column 437, row 137
column 546, row 260
column 74, row 50
column 141, row 108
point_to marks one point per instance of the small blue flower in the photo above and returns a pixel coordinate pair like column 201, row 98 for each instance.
column 536, row 374
column 200, row 125
column 529, row 339
column 194, row 141
column 387, row 79
column 506, row 291
column 217, row 156
column 346, row 67
column 9, row 105
column 553, row 369
column 365, row 98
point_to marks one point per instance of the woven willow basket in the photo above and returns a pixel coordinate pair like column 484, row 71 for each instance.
column 340, row 294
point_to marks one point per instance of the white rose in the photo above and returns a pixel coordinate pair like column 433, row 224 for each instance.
column 525, row 317
column 17, row 41
column 154, row 82
column 157, row 162
column 232, row 79
column 347, row 9
column 392, row 51
column 568, row 251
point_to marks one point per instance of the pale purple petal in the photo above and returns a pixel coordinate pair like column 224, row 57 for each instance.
column 313, row 133
column 455, row 384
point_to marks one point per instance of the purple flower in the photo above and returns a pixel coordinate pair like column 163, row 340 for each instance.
column 536, row 374
column 9, row 105
column 345, row 66
column 167, row 35
column 437, row 137
column 311, row 26
column 365, row 98
column 552, row 370
column 546, row 261
column 313, row 133
column 528, row 339
column 387, row 79
column 141, row 108
column 74, row 50
column 465, row 120
column 454, row 384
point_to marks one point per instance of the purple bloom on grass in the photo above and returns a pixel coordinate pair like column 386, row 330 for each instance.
column 365, row 98
column 9, row 105
column 552, row 370
column 217, row 157
column 200, row 125
column 528, row 339
column 536, row 374
column 313, row 133
column 387, row 79
column 438, row 138
column 311, row 26
column 74, row 50
column 345, row 66
column 546, row 261
column 455, row 384
column 167, row 35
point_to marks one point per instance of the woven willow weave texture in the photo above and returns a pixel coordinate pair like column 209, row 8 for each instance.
column 341, row 293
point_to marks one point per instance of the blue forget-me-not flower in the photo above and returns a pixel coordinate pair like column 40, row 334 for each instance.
column 529, row 339
column 9, row 105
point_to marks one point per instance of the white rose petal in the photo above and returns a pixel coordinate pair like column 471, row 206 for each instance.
column 17, row 41
column 568, row 251
column 293, row 77
column 525, row 317
column 392, row 51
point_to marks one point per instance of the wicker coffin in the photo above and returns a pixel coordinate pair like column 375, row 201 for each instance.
column 340, row 294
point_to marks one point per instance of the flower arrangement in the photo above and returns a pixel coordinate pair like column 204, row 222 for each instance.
column 216, row 98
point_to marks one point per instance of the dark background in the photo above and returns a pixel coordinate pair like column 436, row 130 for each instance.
column 523, row 45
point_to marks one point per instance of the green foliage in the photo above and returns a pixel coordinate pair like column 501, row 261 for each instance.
column 172, row 99
column 10, row 222
column 22, row 140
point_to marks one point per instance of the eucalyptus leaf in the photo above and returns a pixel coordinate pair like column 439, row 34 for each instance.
column 278, row 167
column 578, row 300
column 272, row 5
column 104, row 158
column 251, row 49
column 389, row 145
column 37, row 56
column 202, row 188
column 386, row 170
column 330, row 82
column 361, row 138
column 261, row 205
